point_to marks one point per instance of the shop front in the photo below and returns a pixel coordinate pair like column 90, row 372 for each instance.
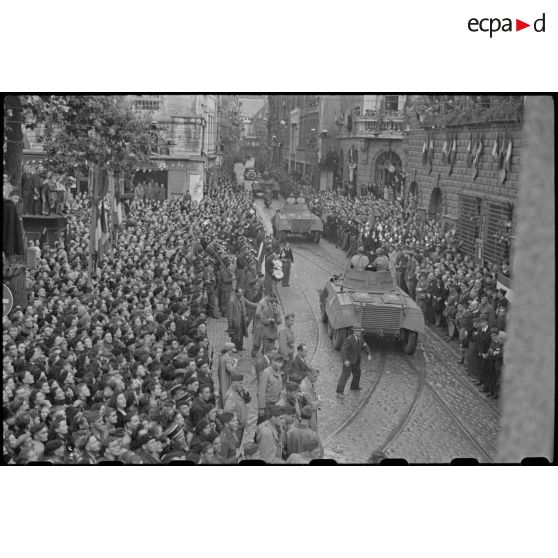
column 168, row 179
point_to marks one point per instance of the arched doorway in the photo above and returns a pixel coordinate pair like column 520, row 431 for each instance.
column 387, row 171
column 435, row 206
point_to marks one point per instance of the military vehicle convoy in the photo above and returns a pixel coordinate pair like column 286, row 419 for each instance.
column 296, row 218
column 372, row 299
column 261, row 184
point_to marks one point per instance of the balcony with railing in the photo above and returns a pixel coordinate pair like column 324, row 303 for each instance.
column 464, row 110
column 147, row 102
column 381, row 124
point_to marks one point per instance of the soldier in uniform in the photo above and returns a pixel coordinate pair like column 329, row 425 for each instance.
column 225, row 280
column 236, row 400
column 286, row 340
column 286, row 257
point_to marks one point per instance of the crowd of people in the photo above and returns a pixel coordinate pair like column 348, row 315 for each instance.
column 45, row 193
column 455, row 294
column 118, row 366
column 122, row 369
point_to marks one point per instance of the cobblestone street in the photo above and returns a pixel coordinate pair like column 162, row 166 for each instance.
column 422, row 408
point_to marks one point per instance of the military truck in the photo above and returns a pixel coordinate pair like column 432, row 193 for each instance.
column 371, row 299
column 260, row 185
column 296, row 218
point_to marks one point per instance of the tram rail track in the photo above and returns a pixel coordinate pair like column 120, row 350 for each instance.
column 427, row 343
column 361, row 405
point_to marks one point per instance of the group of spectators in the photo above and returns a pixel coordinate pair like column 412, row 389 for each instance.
column 120, row 369
column 150, row 191
column 455, row 294
column 45, row 193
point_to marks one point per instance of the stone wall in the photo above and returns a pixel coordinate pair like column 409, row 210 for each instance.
column 486, row 184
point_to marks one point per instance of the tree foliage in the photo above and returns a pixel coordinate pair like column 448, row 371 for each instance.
column 77, row 130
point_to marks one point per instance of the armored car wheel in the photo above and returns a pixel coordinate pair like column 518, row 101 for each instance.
column 316, row 236
column 339, row 336
column 329, row 330
column 410, row 340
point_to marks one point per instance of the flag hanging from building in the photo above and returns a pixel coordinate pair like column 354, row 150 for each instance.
column 445, row 148
column 116, row 208
column 103, row 219
column 469, row 155
column 98, row 232
column 101, row 182
column 494, row 151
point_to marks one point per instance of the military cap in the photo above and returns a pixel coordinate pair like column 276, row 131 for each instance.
column 236, row 377
column 226, row 417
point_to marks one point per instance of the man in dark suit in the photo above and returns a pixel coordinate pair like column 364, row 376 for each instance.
column 299, row 365
column 484, row 341
column 350, row 351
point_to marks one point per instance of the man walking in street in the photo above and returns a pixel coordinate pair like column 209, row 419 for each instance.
column 238, row 319
column 350, row 352
column 287, row 259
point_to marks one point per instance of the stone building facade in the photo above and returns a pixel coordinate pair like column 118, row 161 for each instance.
column 474, row 195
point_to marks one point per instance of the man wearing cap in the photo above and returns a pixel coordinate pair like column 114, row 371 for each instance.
column 286, row 340
column 270, row 386
column 300, row 431
column 270, row 435
column 148, row 448
column 229, row 441
column 236, row 400
column 55, row 452
column 350, row 352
